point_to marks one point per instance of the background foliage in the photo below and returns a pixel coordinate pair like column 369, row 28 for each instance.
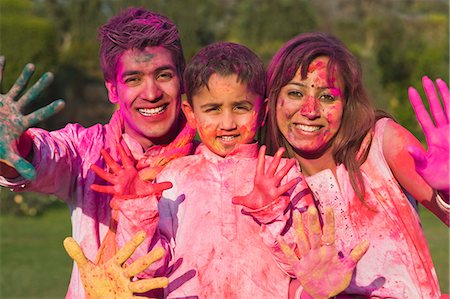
column 397, row 41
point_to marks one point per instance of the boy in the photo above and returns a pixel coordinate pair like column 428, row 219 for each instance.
column 142, row 63
column 215, row 250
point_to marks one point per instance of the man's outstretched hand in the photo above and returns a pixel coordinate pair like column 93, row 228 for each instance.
column 111, row 279
column 13, row 122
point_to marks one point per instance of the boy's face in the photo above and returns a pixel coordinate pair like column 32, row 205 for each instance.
column 225, row 113
column 147, row 90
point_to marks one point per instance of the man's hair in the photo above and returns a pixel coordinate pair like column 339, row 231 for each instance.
column 137, row 28
column 224, row 58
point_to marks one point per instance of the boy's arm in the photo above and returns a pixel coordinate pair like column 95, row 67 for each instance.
column 14, row 150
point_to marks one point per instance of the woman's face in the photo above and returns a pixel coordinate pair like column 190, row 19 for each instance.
column 309, row 110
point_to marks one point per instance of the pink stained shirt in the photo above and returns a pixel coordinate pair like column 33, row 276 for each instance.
column 62, row 159
column 398, row 263
column 216, row 251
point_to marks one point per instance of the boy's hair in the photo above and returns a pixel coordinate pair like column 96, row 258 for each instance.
column 137, row 28
column 224, row 58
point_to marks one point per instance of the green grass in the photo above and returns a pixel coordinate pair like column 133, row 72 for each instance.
column 437, row 235
column 33, row 263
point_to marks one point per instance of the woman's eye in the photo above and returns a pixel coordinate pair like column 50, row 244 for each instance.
column 327, row 98
column 295, row 94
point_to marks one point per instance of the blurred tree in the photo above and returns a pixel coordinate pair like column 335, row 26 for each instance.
column 264, row 25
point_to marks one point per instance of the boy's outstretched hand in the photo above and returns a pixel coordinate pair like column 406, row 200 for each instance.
column 12, row 121
column 433, row 165
column 318, row 266
column 267, row 184
column 111, row 279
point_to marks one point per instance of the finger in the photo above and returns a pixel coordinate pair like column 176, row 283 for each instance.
column 143, row 262
column 302, row 239
column 284, row 171
column 109, row 177
column 22, row 81
column 419, row 109
column 435, row 104
column 420, row 161
column 36, row 89
column 103, row 189
column 160, row 187
column 290, row 255
column 260, row 165
column 358, row 252
column 2, row 66
column 275, row 162
column 239, row 200
column 328, row 236
column 314, row 232
column 75, row 252
column 43, row 113
column 149, row 173
column 127, row 250
column 443, row 90
column 126, row 161
column 145, row 285
column 286, row 187
column 115, row 167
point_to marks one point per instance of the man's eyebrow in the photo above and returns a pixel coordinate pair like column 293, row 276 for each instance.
column 130, row 73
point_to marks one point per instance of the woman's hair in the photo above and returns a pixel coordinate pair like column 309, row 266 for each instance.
column 137, row 28
column 358, row 115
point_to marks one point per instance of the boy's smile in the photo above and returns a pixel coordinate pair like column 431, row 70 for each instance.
column 225, row 113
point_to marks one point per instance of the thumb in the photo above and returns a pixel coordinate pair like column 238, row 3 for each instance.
column 240, row 200
column 75, row 252
column 417, row 154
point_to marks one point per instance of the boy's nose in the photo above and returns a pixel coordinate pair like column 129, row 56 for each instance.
column 151, row 91
column 310, row 108
column 228, row 122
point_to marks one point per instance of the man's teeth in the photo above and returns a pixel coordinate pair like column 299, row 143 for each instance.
column 151, row 111
column 308, row 128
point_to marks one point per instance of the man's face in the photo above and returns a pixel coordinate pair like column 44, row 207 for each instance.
column 147, row 90
column 225, row 113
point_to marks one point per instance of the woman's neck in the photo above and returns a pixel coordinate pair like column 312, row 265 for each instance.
column 311, row 166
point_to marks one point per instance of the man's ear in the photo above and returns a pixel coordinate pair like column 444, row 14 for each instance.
column 264, row 110
column 112, row 92
column 189, row 113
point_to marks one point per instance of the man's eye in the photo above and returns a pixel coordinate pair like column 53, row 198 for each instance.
column 132, row 80
column 165, row 76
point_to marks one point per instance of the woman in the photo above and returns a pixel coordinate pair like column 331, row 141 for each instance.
column 357, row 161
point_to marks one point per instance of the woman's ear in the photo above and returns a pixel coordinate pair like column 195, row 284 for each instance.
column 189, row 113
column 112, row 92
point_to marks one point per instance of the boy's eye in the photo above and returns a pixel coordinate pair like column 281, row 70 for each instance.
column 243, row 108
column 212, row 109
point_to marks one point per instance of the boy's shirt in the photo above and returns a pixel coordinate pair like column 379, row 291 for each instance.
column 62, row 160
column 216, row 250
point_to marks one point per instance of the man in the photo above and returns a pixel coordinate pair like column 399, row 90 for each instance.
column 142, row 62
